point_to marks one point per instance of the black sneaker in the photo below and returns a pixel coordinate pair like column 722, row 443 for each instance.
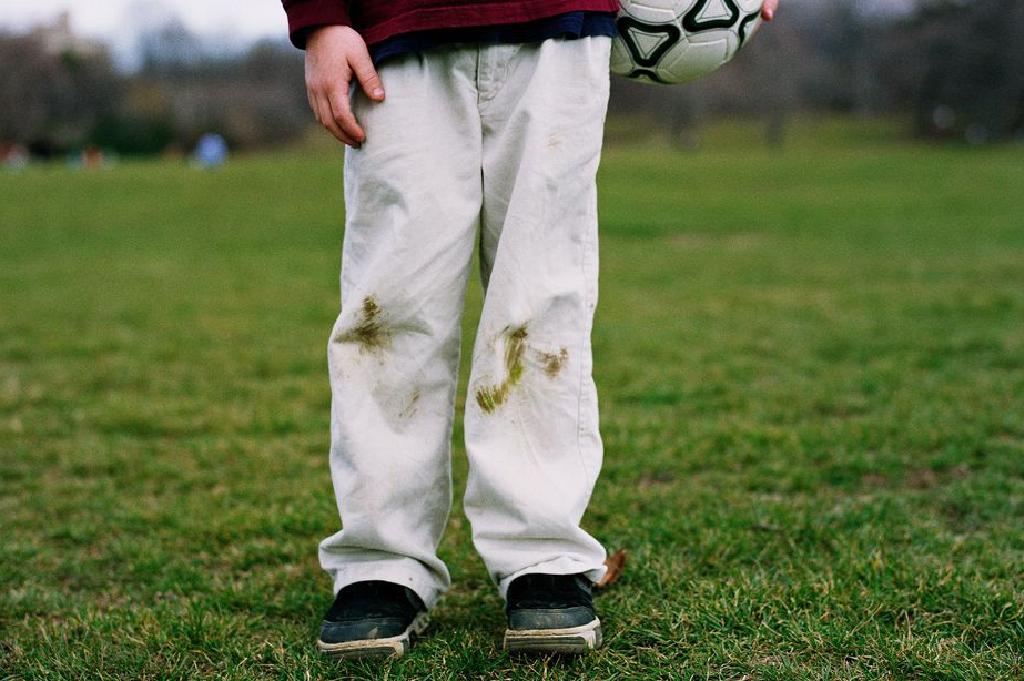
column 373, row 618
column 551, row 613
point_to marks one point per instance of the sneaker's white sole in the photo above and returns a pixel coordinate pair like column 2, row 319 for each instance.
column 571, row 640
column 395, row 646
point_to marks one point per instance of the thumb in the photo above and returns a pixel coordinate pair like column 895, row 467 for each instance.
column 367, row 76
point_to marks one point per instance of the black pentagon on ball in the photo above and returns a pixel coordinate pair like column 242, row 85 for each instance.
column 671, row 32
column 693, row 23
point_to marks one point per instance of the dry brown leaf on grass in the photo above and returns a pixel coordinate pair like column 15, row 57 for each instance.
column 616, row 563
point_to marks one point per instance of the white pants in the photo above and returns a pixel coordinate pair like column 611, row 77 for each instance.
column 493, row 147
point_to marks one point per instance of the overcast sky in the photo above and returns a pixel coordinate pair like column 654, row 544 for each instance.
column 110, row 18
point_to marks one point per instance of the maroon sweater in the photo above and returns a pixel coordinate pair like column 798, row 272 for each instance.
column 378, row 20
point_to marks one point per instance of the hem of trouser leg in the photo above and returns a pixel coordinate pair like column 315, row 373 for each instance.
column 411, row 574
column 558, row 566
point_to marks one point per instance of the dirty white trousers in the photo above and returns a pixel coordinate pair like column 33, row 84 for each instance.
column 493, row 147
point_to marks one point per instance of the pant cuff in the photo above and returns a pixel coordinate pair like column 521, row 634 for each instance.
column 558, row 566
column 406, row 571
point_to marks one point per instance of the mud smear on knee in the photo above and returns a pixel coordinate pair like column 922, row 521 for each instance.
column 490, row 397
column 371, row 333
column 553, row 362
column 411, row 406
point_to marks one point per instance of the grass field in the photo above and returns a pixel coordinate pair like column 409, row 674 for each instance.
column 811, row 368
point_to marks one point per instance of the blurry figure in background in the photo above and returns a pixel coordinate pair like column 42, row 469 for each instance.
column 14, row 157
column 211, row 151
column 92, row 158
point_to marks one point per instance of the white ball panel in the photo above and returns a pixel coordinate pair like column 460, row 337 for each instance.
column 622, row 62
column 712, row 36
column 690, row 61
column 654, row 15
column 673, row 6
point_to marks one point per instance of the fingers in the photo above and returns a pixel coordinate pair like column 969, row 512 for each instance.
column 343, row 118
column 325, row 115
column 367, row 76
column 768, row 10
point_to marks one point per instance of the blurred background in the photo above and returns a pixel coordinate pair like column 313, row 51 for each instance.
column 152, row 77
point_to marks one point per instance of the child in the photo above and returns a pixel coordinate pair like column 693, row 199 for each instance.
column 488, row 138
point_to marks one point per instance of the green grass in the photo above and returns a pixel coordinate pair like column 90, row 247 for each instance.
column 811, row 368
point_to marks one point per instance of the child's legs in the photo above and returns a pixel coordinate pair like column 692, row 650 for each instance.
column 413, row 197
column 531, row 417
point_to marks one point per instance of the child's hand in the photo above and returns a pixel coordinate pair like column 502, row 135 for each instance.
column 768, row 10
column 333, row 55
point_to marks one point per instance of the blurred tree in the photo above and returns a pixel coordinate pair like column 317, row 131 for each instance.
column 253, row 98
column 168, row 46
column 960, row 68
column 955, row 66
column 141, row 124
column 51, row 100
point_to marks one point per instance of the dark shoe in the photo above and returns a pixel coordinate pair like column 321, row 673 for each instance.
column 372, row 618
column 551, row 614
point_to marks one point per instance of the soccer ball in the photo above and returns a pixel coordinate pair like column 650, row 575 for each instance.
column 676, row 41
